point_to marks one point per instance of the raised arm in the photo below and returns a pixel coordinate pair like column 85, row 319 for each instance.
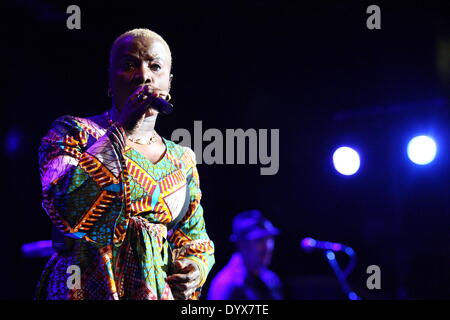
column 81, row 180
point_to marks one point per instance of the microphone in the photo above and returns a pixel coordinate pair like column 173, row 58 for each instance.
column 329, row 248
column 309, row 244
column 161, row 105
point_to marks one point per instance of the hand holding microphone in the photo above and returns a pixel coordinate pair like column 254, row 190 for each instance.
column 156, row 99
column 142, row 99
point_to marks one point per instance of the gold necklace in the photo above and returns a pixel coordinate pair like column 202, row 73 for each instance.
column 151, row 140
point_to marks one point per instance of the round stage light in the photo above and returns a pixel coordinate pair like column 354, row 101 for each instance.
column 421, row 150
column 346, row 161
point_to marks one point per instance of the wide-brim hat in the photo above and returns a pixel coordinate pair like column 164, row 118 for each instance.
column 251, row 225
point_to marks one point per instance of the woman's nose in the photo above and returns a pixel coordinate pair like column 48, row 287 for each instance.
column 143, row 74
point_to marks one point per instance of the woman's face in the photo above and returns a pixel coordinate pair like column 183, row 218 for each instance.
column 138, row 61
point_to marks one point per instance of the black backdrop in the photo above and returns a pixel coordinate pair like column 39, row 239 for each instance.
column 312, row 70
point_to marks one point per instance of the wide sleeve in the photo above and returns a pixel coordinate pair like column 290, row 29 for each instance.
column 82, row 187
column 190, row 240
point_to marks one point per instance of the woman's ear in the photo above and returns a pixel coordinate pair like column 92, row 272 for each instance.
column 170, row 80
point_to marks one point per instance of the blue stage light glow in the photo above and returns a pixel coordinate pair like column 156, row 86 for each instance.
column 13, row 141
column 353, row 296
column 421, row 150
column 330, row 255
column 346, row 161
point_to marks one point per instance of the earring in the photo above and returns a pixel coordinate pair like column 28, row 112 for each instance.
column 109, row 93
column 168, row 97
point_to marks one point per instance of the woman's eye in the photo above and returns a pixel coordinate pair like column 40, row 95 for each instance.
column 128, row 65
column 155, row 67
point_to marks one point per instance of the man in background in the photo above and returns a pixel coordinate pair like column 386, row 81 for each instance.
column 246, row 276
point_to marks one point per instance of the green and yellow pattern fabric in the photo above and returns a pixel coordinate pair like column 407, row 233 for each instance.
column 116, row 205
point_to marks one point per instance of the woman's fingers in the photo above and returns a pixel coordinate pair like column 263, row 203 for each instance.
column 134, row 109
column 149, row 94
column 137, row 95
column 182, row 277
column 181, row 286
column 139, row 105
column 159, row 92
column 192, row 276
column 140, row 97
column 186, row 280
column 182, row 295
column 182, row 291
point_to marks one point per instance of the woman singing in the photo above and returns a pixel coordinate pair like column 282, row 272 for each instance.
column 125, row 200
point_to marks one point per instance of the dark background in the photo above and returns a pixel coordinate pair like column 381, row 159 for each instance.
column 312, row 70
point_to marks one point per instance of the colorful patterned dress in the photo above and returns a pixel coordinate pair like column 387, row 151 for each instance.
column 113, row 207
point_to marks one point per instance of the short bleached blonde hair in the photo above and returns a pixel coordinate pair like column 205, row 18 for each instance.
column 138, row 33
